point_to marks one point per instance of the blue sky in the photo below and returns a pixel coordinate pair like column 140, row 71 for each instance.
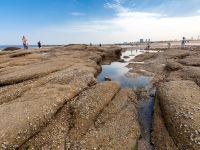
column 105, row 21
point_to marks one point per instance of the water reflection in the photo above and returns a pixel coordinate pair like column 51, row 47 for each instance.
column 131, row 54
column 117, row 72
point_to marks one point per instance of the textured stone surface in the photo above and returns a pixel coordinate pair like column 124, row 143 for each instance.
column 49, row 99
column 171, row 65
column 160, row 135
column 116, row 127
column 180, row 106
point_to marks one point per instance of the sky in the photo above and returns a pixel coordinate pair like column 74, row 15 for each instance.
column 97, row 21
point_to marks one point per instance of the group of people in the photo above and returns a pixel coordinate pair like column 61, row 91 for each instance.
column 183, row 43
column 26, row 45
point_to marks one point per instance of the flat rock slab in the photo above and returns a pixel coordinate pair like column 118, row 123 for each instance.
column 187, row 73
column 48, row 94
column 26, row 115
column 180, row 105
column 89, row 104
column 173, row 66
column 176, row 54
column 191, row 61
column 160, row 136
column 145, row 56
column 103, row 116
column 116, row 127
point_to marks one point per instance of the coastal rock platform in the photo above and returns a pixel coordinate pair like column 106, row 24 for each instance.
column 176, row 75
column 49, row 99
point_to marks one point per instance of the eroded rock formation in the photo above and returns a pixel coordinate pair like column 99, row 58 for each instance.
column 176, row 75
column 49, row 99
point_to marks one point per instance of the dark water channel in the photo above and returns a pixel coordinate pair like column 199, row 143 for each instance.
column 117, row 71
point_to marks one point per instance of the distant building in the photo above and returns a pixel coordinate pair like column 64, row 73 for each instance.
column 141, row 40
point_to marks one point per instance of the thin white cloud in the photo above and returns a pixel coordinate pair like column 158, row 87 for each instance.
column 132, row 14
column 122, row 11
column 117, row 5
column 77, row 14
column 198, row 11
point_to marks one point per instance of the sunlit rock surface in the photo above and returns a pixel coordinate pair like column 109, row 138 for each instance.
column 49, row 99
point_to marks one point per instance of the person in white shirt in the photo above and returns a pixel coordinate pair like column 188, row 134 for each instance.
column 25, row 42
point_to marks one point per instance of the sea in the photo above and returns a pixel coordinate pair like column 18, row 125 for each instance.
column 20, row 46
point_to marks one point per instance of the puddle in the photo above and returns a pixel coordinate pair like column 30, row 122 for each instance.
column 137, row 62
column 154, row 51
column 131, row 54
column 145, row 111
column 118, row 72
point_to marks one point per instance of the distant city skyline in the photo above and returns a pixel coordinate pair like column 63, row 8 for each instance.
column 97, row 21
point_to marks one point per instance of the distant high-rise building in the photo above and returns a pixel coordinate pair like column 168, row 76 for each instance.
column 141, row 40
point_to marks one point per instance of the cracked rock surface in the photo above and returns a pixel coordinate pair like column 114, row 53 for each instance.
column 49, row 99
column 180, row 105
column 176, row 76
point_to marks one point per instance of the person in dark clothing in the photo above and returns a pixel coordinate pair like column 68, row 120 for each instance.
column 39, row 44
column 183, row 42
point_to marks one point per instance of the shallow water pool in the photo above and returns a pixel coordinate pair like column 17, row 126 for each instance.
column 117, row 71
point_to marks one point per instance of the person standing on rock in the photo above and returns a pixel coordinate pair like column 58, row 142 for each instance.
column 25, row 42
column 39, row 44
column 148, row 44
column 169, row 45
column 183, row 42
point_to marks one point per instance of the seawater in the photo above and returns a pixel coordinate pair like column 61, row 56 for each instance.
column 118, row 71
column 20, row 46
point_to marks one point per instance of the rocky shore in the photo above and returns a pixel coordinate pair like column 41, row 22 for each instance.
column 49, row 99
column 176, row 77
